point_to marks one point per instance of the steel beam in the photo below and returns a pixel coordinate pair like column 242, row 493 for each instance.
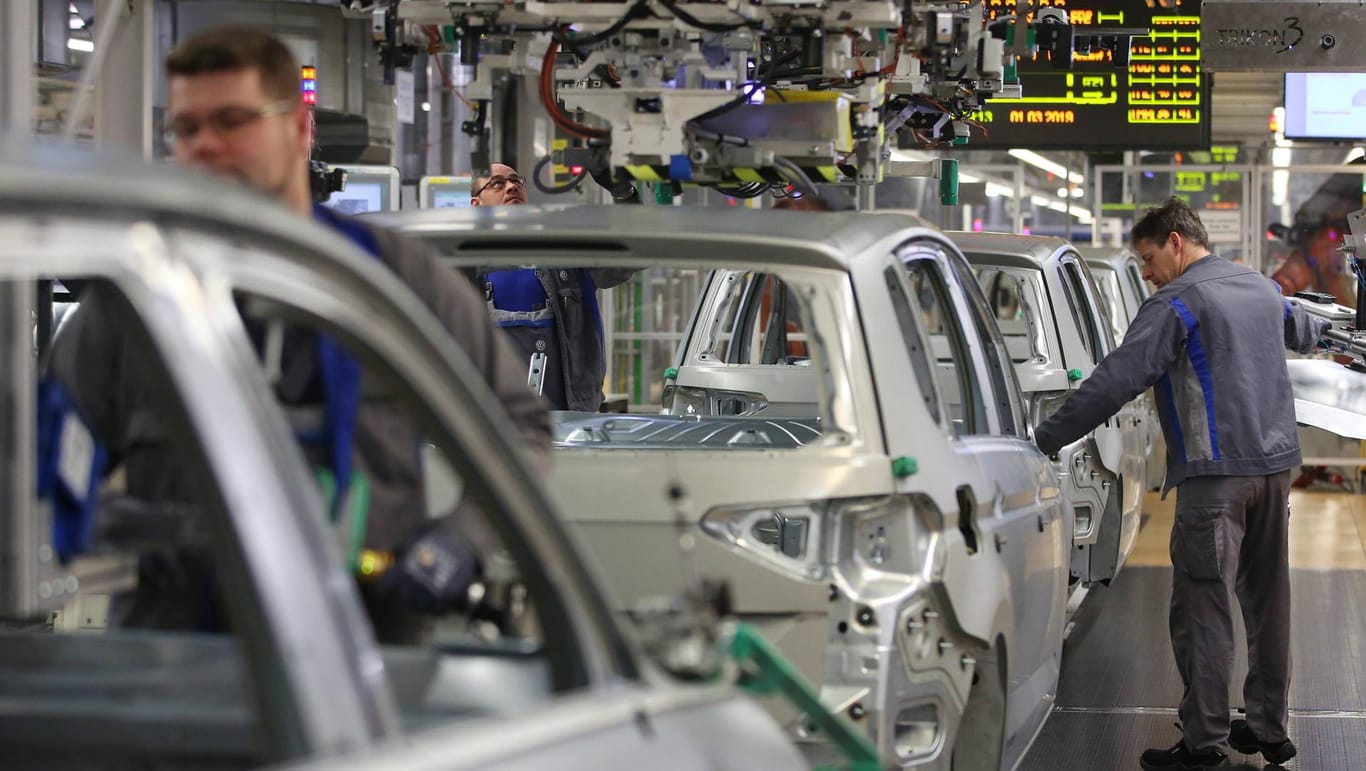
column 18, row 566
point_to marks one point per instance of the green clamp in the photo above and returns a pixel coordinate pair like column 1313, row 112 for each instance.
column 664, row 193
column 671, row 373
column 1073, row 375
column 904, row 466
column 948, row 181
column 766, row 671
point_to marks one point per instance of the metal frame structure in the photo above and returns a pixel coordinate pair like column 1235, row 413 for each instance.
column 17, row 406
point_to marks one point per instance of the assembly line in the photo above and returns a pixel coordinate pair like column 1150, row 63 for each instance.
column 675, row 385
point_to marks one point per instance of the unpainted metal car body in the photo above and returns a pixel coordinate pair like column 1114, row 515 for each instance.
column 1120, row 280
column 301, row 679
column 879, row 513
column 1052, row 317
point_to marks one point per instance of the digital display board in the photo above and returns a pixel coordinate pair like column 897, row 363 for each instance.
column 1159, row 101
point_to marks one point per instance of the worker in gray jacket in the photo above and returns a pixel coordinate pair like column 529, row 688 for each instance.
column 234, row 110
column 550, row 314
column 1210, row 344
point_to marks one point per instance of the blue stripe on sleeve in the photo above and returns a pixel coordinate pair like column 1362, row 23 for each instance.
column 1196, row 349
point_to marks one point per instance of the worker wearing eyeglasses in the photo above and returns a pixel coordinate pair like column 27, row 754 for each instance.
column 235, row 110
column 550, row 314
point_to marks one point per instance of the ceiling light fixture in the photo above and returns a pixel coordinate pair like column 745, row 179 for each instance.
column 1052, row 167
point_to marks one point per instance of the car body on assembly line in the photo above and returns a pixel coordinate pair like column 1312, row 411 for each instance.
column 1054, row 322
column 1120, row 280
column 181, row 263
column 879, row 512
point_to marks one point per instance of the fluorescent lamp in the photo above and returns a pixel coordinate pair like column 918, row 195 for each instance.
column 87, row 46
column 76, row 22
column 1081, row 215
column 995, row 190
column 1052, row 167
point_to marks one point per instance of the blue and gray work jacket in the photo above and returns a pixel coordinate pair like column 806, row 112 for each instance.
column 554, row 311
column 1211, row 346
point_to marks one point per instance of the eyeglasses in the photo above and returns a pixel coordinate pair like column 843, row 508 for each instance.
column 225, row 121
column 498, row 183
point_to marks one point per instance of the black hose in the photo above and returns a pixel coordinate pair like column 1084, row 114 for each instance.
column 637, row 11
column 744, row 97
column 571, row 185
column 748, row 190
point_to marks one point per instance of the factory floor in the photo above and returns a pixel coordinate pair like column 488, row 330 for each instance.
column 1119, row 687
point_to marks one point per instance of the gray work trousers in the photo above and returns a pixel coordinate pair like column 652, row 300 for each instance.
column 1231, row 537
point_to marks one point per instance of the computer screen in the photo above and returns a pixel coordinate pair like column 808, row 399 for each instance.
column 358, row 198
column 450, row 199
column 1325, row 105
column 444, row 192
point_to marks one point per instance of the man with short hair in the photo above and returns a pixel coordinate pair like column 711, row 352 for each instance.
column 548, row 312
column 235, row 110
column 1209, row 342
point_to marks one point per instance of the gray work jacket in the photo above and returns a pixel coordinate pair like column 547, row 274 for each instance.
column 1211, row 346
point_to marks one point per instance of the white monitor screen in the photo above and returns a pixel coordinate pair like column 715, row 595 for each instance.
column 450, row 199
column 1325, row 105
column 358, row 198
column 444, row 192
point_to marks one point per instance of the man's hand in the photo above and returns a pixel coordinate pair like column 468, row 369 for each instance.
column 1046, row 444
column 433, row 573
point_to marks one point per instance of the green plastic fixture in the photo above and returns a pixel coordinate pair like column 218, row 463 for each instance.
column 671, row 373
column 765, row 671
column 1074, row 374
column 904, row 466
column 948, row 181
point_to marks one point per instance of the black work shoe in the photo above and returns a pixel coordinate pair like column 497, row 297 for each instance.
column 1179, row 758
column 1242, row 739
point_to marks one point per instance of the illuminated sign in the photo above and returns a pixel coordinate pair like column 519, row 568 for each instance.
column 1160, row 100
column 308, row 83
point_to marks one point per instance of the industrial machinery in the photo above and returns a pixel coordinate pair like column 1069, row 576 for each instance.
column 746, row 97
column 1331, row 394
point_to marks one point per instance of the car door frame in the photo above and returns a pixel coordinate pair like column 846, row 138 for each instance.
column 1117, row 441
column 324, row 700
column 977, row 580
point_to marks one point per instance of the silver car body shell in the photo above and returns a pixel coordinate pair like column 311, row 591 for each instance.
column 178, row 246
column 1116, row 269
column 860, row 630
column 1116, row 450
